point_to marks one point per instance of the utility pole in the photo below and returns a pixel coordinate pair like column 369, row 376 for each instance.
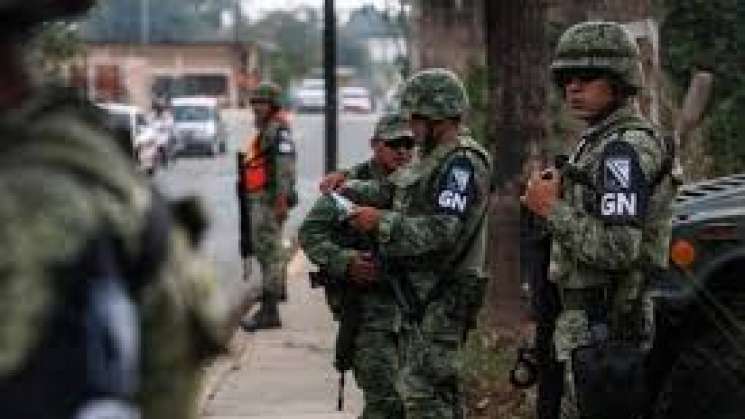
column 145, row 28
column 329, row 62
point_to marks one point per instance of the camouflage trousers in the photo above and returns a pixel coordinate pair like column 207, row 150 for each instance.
column 431, row 372
column 376, row 370
column 266, row 237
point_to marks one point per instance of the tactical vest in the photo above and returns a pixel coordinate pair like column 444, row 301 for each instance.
column 260, row 162
column 413, row 195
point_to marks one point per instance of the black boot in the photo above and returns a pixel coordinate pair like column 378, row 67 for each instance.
column 266, row 318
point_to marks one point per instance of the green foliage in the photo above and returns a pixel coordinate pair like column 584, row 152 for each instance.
column 708, row 33
column 53, row 48
column 297, row 43
column 169, row 20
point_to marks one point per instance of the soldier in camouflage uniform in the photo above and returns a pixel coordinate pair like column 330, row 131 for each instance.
column 270, row 181
column 434, row 234
column 77, row 220
column 328, row 244
column 608, row 209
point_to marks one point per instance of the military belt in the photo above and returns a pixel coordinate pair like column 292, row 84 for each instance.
column 584, row 298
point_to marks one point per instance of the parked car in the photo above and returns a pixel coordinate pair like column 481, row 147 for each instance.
column 197, row 125
column 355, row 99
column 310, row 96
column 125, row 118
column 130, row 121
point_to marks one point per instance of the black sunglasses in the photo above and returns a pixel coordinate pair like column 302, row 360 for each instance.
column 402, row 142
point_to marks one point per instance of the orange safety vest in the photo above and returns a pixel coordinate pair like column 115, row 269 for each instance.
column 256, row 167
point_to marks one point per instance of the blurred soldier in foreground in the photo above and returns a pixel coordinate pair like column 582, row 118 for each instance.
column 267, row 193
column 435, row 237
column 365, row 306
column 608, row 208
column 106, row 310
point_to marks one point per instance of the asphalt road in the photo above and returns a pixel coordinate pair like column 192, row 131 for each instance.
column 213, row 179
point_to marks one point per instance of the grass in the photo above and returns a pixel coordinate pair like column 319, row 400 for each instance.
column 487, row 360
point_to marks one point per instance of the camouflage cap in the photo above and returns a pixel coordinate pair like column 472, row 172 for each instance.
column 267, row 92
column 18, row 15
column 605, row 46
column 435, row 93
column 392, row 126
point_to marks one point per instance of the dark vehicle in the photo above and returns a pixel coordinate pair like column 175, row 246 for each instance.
column 697, row 365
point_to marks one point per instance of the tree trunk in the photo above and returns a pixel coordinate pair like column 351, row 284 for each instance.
column 449, row 33
column 517, row 58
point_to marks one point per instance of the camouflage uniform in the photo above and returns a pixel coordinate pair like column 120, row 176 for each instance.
column 275, row 144
column 435, row 236
column 331, row 245
column 612, row 223
column 64, row 182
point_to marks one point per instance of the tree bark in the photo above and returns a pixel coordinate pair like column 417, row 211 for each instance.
column 517, row 58
column 449, row 33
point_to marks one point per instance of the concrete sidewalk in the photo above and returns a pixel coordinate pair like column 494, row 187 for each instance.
column 286, row 373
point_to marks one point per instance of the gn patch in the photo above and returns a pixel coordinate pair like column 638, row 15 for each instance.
column 455, row 192
column 624, row 191
column 285, row 144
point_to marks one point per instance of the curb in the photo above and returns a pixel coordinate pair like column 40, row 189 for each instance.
column 218, row 371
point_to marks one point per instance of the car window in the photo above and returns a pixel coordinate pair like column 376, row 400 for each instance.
column 119, row 120
column 193, row 113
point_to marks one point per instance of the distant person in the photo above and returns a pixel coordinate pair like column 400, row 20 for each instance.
column 366, row 307
column 268, row 186
column 107, row 311
column 161, row 121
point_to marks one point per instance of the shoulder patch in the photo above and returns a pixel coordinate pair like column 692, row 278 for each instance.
column 456, row 190
column 285, row 145
column 623, row 189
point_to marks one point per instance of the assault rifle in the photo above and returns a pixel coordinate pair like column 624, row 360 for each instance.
column 245, row 244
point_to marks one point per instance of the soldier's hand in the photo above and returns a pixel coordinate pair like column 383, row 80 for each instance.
column 362, row 269
column 542, row 192
column 280, row 208
column 332, row 181
column 365, row 219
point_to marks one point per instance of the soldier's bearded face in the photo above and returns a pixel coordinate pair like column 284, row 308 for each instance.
column 589, row 99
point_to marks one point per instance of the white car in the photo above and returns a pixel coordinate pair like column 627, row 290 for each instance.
column 355, row 99
column 120, row 116
column 130, row 119
column 197, row 125
column 310, row 96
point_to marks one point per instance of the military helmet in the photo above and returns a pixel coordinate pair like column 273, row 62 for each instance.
column 435, row 93
column 267, row 92
column 19, row 15
column 392, row 126
column 605, row 46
